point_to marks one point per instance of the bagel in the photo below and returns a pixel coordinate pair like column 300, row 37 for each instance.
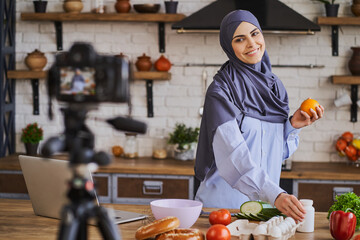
column 159, row 226
column 181, row 234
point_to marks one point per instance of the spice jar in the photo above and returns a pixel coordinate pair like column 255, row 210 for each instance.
column 160, row 145
column 131, row 146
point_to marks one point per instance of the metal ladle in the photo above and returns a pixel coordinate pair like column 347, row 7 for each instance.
column 204, row 80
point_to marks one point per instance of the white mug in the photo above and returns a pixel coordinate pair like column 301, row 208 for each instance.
column 343, row 100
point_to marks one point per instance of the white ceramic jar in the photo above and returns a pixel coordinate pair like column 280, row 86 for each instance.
column 308, row 224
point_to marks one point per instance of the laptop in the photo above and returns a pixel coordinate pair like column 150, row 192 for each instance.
column 47, row 184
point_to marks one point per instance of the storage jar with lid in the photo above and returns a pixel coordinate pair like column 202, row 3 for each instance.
column 160, row 145
column 36, row 60
column 131, row 145
column 143, row 63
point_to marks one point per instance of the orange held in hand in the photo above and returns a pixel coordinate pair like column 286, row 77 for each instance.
column 309, row 104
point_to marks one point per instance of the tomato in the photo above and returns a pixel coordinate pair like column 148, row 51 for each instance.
column 357, row 237
column 351, row 153
column 347, row 136
column 221, row 216
column 218, row 232
column 341, row 144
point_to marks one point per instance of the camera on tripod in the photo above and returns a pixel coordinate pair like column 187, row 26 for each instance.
column 82, row 76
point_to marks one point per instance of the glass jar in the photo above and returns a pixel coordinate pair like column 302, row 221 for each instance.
column 159, row 145
column 131, row 146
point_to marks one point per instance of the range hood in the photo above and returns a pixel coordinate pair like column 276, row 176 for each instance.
column 273, row 15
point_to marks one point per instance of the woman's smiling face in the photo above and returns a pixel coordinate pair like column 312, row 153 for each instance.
column 248, row 43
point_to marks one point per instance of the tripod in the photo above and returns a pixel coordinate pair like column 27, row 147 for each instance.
column 79, row 142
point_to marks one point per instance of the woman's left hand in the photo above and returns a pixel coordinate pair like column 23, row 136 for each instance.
column 301, row 119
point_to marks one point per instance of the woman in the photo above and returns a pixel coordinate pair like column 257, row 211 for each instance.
column 246, row 131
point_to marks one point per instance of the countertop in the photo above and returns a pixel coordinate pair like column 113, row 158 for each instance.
column 18, row 221
column 148, row 165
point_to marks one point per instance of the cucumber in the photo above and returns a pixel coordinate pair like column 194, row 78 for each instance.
column 253, row 207
column 257, row 211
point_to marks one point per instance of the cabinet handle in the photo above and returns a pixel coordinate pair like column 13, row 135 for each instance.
column 152, row 187
column 341, row 190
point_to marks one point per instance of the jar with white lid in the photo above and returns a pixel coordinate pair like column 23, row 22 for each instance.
column 131, row 146
column 308, row 224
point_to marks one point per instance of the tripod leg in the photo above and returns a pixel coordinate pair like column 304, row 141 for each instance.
column 69, row 225
column 107, row 228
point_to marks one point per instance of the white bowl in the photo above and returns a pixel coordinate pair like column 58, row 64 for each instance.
column 187, row 211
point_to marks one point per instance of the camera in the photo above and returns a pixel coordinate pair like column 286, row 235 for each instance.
column 82, row 76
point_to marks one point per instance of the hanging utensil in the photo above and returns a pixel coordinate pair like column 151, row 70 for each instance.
column 203, row 80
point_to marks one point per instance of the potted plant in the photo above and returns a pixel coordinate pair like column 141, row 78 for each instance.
column 184, row 140
column 171, row 6
column 31, row 135
column 330, row 7
column 40, row 6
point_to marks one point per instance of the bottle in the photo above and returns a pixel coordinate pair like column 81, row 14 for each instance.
column 308, row 224
column 131, row 146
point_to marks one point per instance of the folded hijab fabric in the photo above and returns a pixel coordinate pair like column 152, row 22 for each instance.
column 239, row 89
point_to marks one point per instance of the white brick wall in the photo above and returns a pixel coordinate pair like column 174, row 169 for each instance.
column 179, row 99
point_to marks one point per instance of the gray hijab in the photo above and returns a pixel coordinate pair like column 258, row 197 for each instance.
column 239, row 89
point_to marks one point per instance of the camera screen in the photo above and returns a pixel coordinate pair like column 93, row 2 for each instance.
column 77, row 81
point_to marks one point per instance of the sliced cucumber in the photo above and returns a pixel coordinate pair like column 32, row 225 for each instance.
column 253, row 207
column 240, row 216
column 256, row 216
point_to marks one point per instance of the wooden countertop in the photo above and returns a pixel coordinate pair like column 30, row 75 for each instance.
column 143, row 165
column 148, row 165
column 322, row 171
column 18, row 221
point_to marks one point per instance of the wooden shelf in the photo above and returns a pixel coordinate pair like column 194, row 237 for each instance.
column 335, row 22
column 338, row 21
column 354, row 81
column 27, row 74
column 59, row 17
column 152, row 75
column 123, row 17
column 35, row 75
column 346, row 80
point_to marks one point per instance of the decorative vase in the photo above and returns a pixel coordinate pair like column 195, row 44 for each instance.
column 171, row 6
column 354, row 63
column 31, row 148
column 331, row 9
column 40, row 6
column 355, row 8
column 143, row 63
column 36, row 60
column 73, row 6
column 162, row 64
column 122, row 6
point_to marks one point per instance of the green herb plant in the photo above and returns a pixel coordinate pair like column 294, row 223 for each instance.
column 183, row 136
column 347, row 202
column 32, row 133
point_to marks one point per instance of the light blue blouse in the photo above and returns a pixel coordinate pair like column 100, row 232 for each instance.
column 248, row 162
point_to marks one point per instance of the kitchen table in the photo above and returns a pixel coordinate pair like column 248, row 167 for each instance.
column 18, row 221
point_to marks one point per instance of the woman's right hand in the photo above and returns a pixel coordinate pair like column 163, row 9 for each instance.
column 290, row 206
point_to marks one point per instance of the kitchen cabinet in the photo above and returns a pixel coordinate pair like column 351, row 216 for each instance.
column 323, row 192
column 142, row 189
column 132, row 181
column 335, row 22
